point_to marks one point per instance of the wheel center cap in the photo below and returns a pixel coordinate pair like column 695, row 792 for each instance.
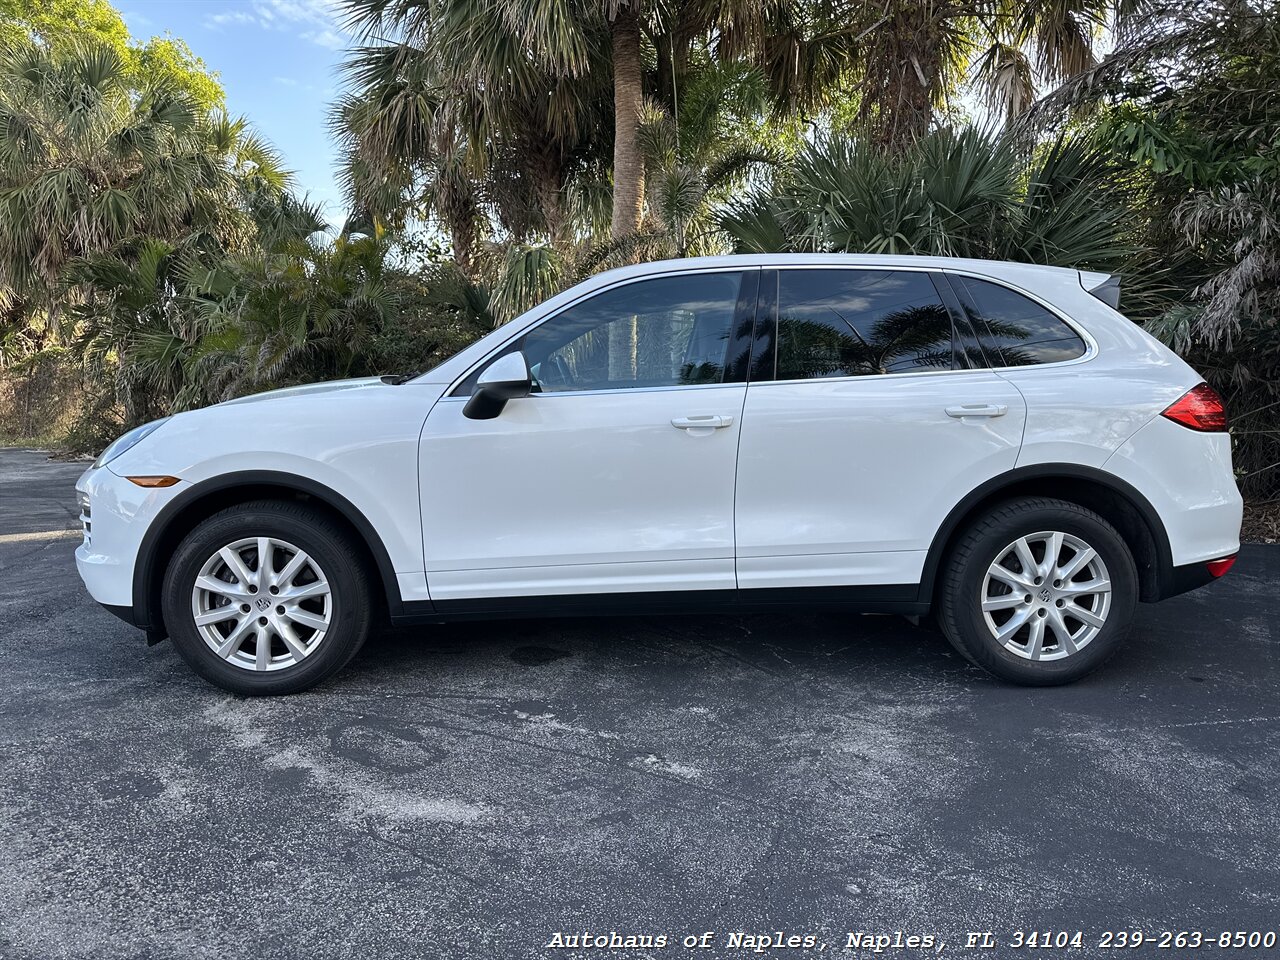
column 1045, row 595
column 262, row 603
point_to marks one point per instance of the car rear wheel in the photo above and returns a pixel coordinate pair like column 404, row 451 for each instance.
column 267, row 598
column 1038, row 592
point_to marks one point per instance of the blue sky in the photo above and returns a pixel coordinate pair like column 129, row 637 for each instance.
column 277, row 59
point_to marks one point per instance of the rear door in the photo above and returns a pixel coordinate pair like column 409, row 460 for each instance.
column 869, row 415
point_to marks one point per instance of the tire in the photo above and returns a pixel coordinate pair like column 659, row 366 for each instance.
column 985, row 568
column 315, row 612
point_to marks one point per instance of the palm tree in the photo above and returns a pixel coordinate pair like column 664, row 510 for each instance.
column 88, row 162
column 134, row 328
column 451, row 117
column 916, row 54
column 964, row 194
column 552, row 84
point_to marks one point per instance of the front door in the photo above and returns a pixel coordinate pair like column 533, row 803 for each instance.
column 880, row 418
column 616, row 474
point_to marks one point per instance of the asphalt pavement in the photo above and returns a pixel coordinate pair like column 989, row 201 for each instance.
column 473, row 790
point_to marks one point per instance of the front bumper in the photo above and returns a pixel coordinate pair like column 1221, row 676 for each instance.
column 119, row 514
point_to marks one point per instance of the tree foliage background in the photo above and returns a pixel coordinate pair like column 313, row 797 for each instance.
column 155, row 254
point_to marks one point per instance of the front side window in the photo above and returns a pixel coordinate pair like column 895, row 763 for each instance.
column 663, row 332
column 1015, row 330
column 847, row 323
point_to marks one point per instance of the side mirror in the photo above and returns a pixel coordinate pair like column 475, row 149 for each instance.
column 507, row 378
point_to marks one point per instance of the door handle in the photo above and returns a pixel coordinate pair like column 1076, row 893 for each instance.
column 965, row 410
column 702, row 424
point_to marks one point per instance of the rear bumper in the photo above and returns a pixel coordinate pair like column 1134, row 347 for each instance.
column 1183, row 579
column 1187, row 477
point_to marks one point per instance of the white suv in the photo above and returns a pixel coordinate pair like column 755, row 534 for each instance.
column 989, row 441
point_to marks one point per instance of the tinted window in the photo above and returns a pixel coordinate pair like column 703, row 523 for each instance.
column 843, row 323
column 668, row 331
column 1015, row 330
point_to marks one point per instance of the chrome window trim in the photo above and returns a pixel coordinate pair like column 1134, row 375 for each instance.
column 596, row 393
column 885, row 376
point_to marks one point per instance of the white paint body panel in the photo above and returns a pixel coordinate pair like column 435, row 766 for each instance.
column 1187, row 477
column 580, row 493
column 121, row 513
column 845, row 481
column 359, row 438
column 838, row 482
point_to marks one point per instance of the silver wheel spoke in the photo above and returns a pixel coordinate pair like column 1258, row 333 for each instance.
column 1084, row 589
column 318, row 589
column 1078, row 563
column 1083, row 615
column 1013, row 625
column 1059, row 628
column 218, row 615
column 1004, row 603
column 237, row 566
column 1026, row 558
column 1036, row 640
column 1052, row 550
column 306, row 619
column 285, row 576
column 262, row 657
column 290, row 638
column 1005, row 575
column 235, row 638
column 264, row 560
column 221, row 587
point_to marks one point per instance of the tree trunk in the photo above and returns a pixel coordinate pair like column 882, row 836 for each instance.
column 628, row 92
column 907, row 76
column 906, row 110
column 462, row 237
column 459, row 213
column 548, row 175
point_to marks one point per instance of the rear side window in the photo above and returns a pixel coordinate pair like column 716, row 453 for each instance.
column 848, row 323
column 1015, row 330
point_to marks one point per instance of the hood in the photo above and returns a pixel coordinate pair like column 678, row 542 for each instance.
column 308, row 389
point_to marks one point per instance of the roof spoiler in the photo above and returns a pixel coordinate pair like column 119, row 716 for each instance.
column 1103, row 286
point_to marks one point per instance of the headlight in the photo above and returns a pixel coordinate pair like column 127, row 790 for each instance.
column 128, row 441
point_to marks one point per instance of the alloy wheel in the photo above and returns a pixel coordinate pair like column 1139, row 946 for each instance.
column 262, row 604
column 1046, row 595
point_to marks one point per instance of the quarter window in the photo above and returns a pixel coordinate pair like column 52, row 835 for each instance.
column 845, row 323
column 663, row 332
column 1015, row 330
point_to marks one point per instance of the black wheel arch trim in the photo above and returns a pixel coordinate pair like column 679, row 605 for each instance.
column 1166, row 580
column 145, row 605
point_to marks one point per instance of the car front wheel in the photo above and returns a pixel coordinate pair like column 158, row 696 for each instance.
column 267, row 598
column 1038, row 592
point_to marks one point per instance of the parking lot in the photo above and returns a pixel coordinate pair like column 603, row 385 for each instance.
column 469, row 790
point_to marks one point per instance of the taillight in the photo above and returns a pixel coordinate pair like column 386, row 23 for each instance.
column 1218, row 567
column 1200, row 408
